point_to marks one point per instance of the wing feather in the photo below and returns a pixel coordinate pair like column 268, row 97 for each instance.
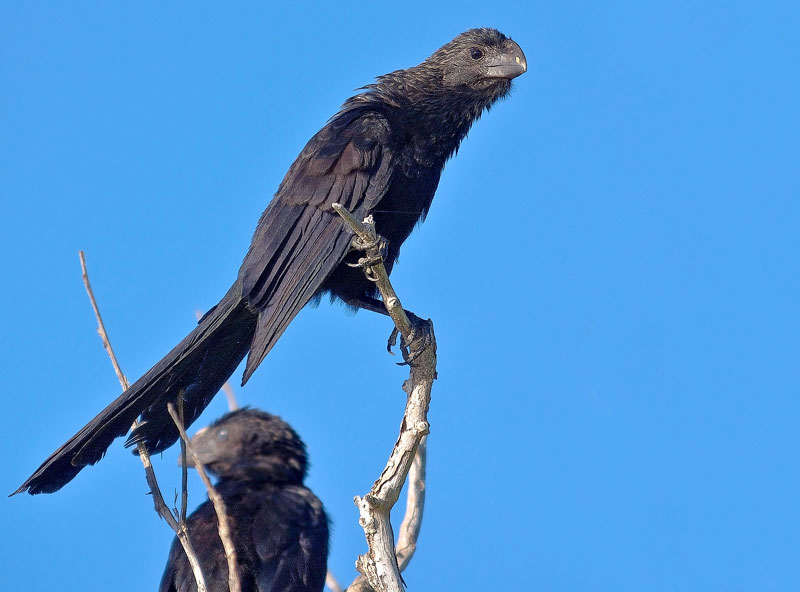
column 291, row 544
column 300, row 240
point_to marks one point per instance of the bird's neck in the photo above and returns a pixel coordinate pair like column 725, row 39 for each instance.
column 265, row 469
column 436, row 116
column 254, row 480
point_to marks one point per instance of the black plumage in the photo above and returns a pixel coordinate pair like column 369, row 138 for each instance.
column 381, row 154
column 278, row 526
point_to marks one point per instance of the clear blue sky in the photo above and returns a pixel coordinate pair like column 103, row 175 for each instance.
column 611, row 262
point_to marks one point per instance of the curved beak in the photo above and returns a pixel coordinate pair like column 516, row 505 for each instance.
column 510, row 64
column 202, row 447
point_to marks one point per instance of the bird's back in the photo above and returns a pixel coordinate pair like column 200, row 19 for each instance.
column 280, row 534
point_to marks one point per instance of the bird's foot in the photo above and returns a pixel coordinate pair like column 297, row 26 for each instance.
column 376, row 251
column 418, row 341
column 365, row 262
column 378, row 242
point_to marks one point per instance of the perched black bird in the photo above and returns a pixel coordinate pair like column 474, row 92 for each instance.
column 381, row 154
column 278, row 526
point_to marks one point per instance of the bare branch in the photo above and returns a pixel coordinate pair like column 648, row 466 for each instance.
column 233, row 405
column 184, row 466
column 381, row 565
column 219, row 505
column 332, row 583
column 158, row 500
column 415, row 506
column 101, row 328
column 412, row 521
column 359, row 585
column 366, row 233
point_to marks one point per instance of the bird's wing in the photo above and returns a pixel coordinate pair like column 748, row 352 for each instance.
column 178, row 575
column 204, row 535
column 290, row 539
column 300, row 240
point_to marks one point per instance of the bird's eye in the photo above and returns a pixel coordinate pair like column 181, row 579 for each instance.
column 222, row 434
column 475, row 53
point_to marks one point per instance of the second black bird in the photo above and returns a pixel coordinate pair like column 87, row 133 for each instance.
column 381, row 154
column 278, row 526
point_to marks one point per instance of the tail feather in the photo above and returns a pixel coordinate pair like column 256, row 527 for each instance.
column 196, row 368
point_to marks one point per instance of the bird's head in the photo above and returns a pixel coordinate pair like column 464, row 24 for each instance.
column 480, row 60
column 250, row 444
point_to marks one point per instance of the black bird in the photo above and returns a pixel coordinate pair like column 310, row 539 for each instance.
column 381, row 154
column 278, row 526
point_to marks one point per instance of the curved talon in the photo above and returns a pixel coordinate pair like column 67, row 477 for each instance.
column 376, row 251
column 392, row 340
column 371, row 275
column 420, row 338
column 358, row 245
column 409, row 357
column 366, row 264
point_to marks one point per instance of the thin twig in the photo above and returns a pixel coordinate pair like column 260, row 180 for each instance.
column 332, row 583
column 158, row 500
column 101, row 328
column 184, row 467
column 381, row 565
column 366, row 233
column 415, row 506
column 219, row 505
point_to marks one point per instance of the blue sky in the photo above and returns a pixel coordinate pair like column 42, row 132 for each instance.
column 610, row 261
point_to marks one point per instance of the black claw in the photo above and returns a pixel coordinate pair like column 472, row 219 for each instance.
column 357, row 245
column 376, row 252
column 392, row 340
column 379, row 245
column 364, row 262
column 418, row 341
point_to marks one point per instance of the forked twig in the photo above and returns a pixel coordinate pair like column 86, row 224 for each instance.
column 219, row 505
column 158, row 500
column 415, row 507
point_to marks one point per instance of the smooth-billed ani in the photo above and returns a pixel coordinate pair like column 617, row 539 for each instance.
column 278, row 526
column 381, row 154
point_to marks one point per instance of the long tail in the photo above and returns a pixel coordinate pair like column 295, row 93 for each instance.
column 196, row 368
